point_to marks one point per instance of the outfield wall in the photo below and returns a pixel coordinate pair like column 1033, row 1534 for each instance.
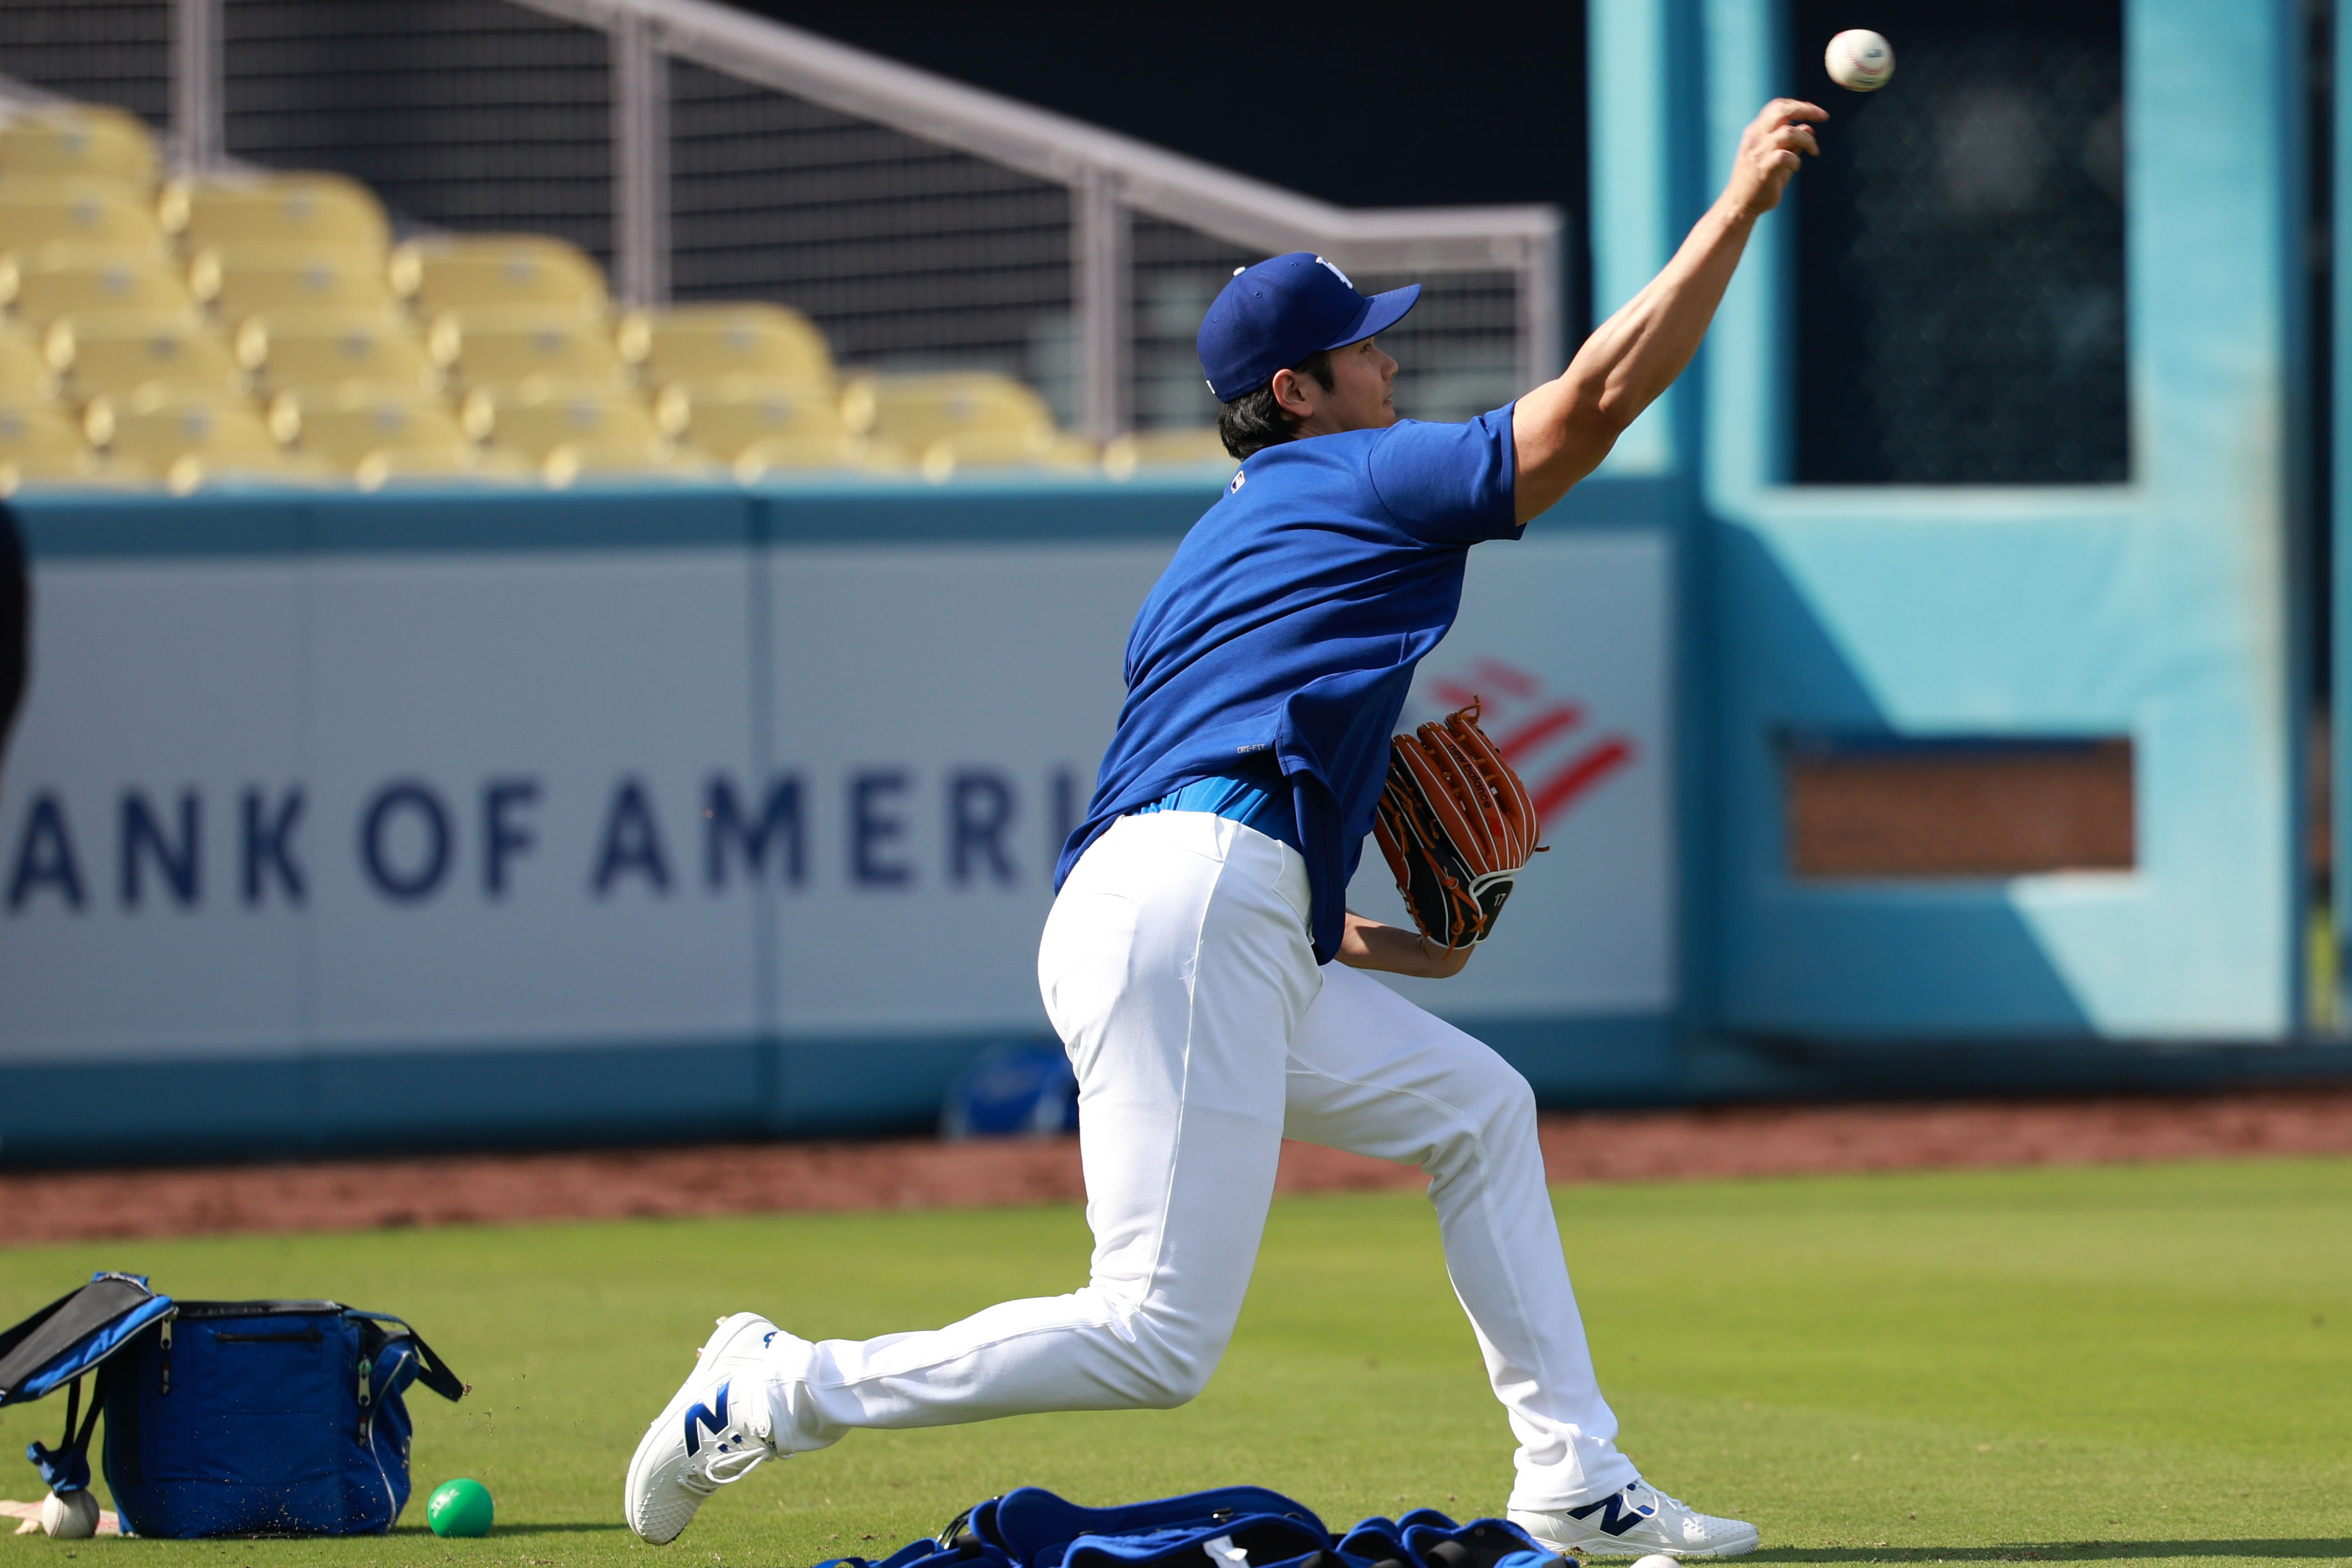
column 339, row 820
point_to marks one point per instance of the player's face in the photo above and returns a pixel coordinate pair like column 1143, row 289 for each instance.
column 1363, row 382
column 1363, row 388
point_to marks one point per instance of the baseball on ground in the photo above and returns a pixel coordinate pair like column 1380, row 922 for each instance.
column 69, row 1516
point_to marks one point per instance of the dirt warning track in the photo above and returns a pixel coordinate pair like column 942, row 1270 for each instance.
column 762, row 1178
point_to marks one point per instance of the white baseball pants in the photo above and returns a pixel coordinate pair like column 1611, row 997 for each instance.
column 1177, row 968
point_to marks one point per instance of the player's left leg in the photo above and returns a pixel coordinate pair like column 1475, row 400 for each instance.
column 1371, row 1073
column 1176, row 964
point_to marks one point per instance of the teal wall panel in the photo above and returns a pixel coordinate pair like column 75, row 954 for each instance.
column 2158, row 609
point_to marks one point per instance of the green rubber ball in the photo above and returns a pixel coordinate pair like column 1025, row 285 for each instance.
column 461, row 1507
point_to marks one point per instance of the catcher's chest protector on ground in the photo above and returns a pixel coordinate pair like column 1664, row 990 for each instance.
column 228, row 1417
column 1456, row 826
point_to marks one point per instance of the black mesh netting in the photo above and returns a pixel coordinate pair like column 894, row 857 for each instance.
column 461, row 114
column 1960, row 247
column 110, row 51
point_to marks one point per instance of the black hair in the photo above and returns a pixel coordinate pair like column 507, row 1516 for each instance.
column 1254, row 421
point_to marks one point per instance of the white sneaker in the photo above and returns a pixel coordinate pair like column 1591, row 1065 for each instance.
column 1635, row 1522
column 717, row 1428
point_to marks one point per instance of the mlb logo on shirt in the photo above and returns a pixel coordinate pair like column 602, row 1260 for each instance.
column 1238, row 478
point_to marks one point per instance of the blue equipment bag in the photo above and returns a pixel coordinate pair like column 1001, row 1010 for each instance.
column 227, row 1417
column 1231, row 1526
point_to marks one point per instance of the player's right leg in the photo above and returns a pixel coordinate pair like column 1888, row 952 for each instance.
column 1175, row 965
column 1372, row 1073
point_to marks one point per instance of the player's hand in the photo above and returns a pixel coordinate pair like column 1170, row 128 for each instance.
column 1772, row 150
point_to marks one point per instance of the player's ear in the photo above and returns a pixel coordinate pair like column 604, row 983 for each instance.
column 1290, row 394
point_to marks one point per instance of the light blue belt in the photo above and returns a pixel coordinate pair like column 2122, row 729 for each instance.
column 1251, row 801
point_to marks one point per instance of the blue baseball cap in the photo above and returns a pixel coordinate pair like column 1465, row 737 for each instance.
column 1275, row 314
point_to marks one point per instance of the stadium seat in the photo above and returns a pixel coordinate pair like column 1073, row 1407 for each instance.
column 183, row 437
column 515, row 348
column 38, row 442
column 344, row 425
column 121, row 352
column 534, row 421
column 798, row 454
column 90, row 212
column 441, row 464
column 316, row 212
column 970, row 418
column 24, row 372
column 569, row 433
column 1194, row 448
column 82, row 142
column 797, row 415
column 241, row 281
column 70, row 278
column 497, row 271
column 699, row 346
column 304, row 351
column 597, row 457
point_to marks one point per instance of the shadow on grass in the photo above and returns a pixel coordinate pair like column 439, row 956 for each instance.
column 2054, row 1552
column 521, row 1529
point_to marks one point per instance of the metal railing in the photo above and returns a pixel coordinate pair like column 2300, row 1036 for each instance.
column 855, row 186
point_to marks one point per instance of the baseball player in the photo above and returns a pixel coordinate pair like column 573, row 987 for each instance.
column 1188, row 962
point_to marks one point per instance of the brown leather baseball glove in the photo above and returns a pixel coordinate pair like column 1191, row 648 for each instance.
column 1456, row 826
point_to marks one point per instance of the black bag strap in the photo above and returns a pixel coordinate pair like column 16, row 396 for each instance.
column 431, row 1370
column 65, row 1467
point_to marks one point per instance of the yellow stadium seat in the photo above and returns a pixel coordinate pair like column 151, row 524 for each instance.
column 497, row 271
column 121, row 352
column 440, row 464
column 970, row 418
column 1194, row 448
column 701, row 345
column 67, row 277
column 88, row 211
column 509, row 348
column 37, row 442
column 85, row 141
column 804, row 414
column 535, row 421
column 1004, row 450
column 347, row 425
column 621, row 458
column 277, row 212
column 796, row 454
column 25, row 371
column 239, row 282
column 303, row 351
column 183, row 437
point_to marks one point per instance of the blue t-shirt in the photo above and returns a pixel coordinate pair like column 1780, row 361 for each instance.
column 1288, row 626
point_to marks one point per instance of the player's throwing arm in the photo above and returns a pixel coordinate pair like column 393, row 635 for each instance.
column 1563, row 428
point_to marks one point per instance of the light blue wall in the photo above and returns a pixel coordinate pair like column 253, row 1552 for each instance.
column 2158, row 609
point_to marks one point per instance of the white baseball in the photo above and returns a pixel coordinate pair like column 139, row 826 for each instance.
column 69, row 1516
column 1860, row 59
column 1656, row 1560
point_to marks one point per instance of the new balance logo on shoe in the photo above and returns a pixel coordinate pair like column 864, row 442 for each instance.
column 701, row 1415
column 1616, row 1519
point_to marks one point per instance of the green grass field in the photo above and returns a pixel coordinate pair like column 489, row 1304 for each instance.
column 2126, row 1365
